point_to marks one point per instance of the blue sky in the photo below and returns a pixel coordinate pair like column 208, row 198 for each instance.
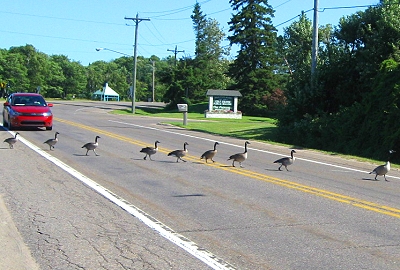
column 75, row 28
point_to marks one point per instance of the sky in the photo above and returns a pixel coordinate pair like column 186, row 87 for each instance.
column 75, row 28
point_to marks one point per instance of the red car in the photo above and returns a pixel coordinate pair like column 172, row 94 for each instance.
column 27, row 110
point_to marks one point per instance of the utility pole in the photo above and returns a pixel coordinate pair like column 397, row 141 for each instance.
column 153, row 85
column 315, row 39
column 175, row 52
column 137, row 21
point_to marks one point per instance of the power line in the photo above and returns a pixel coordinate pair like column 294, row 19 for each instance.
column 329, row 8
column 175, row 51
column 58, row 18
column 323, row 10
column 282, row 4
column 55, row 37
column 137, row 21
column 158, row 32
column 294, row 17
column 174, row 11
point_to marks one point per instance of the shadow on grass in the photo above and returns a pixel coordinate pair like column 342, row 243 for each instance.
column 260, row 134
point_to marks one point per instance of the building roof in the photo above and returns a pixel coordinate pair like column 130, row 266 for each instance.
column 107, row 91
column 224, row 93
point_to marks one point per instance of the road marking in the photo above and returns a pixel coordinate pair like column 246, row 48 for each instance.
column 345, row 169
column 371, row 206
column 198, row 252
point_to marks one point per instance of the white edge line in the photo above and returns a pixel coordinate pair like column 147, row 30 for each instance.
column 200, row 253
column 259, row 150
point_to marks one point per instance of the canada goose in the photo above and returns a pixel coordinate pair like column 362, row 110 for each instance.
column 240, row 157
column 11, row 141
column 383, row 169
column 286, row 161
column 210, row 153
column 92, row 146
column 179, row 153
column 52, row 142
column 150, row 150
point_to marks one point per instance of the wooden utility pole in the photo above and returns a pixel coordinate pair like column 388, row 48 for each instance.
column 153, row 84
column 175, row 52
column 137, row 21
column 315, row 39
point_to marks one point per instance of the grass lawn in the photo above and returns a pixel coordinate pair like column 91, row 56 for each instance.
column 248, row 128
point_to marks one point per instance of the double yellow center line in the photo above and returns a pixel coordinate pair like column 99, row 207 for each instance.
column 382, row 209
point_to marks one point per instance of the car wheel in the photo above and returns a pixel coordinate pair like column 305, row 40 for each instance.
column 5, row 124
column 49, row 128
column 10, row 127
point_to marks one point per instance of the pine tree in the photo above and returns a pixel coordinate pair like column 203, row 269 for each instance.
column 253, row 69
column 207, row 70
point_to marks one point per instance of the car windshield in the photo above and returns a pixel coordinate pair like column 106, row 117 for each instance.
column 28, row 101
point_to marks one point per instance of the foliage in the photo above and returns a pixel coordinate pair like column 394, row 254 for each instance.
column 254, row 67
column 190, row 78
column 24, row 69
column 352, row 104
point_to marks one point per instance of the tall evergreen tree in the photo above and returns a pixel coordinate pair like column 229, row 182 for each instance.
column 207, row 69
column 199, row 24
column 253, row 69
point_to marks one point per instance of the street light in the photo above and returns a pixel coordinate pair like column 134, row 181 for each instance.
column 105, row 49
column 134, row 75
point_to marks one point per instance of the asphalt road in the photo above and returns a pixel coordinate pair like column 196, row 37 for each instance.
column 118, row 211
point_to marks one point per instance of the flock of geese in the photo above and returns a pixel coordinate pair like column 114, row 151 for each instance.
column 207, row 155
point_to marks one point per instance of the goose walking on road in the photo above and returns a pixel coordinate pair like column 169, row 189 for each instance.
column 149, row 151
column 286, row 161
column 179, row 153
column 383, row 169
column 210, row 153
column 11, row 141
column 92, row 146
column 240, row 157
column 52, row 142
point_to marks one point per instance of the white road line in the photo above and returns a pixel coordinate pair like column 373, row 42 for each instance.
column 253, row 149
column 200, row 253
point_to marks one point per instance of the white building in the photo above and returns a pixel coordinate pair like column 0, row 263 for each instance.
column 106, row 94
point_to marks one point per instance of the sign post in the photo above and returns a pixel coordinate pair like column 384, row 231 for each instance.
column 183, row 108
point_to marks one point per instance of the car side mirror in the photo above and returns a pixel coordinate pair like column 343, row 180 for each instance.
column 6, row 104
column 49, row 104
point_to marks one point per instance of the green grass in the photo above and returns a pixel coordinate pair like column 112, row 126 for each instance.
column 249, row 127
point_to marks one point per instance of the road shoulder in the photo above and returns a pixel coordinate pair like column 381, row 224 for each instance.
column 14, row 253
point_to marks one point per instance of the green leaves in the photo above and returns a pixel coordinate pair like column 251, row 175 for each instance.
column 253, row 69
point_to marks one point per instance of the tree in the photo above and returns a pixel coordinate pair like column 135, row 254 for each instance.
column 36, row 64
column 253, row 69
column 14, row 72
column 54, row 81
column 354, row 107
column 74, row 74
column 295, row 46
column 207, row 69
